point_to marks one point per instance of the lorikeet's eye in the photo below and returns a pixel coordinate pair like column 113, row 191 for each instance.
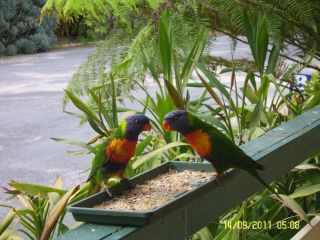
column 136, row 120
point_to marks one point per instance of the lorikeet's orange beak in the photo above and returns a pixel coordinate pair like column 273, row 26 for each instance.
column 166, row 126
column 147, row 127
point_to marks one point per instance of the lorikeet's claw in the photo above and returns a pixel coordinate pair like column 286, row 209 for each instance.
column 226, row 173
column 106, row 189
column 220, row 176
column 127, row 182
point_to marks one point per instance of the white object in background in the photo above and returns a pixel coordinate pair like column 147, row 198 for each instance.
column 302, row 80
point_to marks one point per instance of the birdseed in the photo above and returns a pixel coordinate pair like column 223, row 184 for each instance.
column 157, row 191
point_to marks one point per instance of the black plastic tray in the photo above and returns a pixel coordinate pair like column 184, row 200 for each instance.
column 83, row 210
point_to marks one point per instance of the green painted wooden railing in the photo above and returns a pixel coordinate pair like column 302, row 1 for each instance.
column 280, row 150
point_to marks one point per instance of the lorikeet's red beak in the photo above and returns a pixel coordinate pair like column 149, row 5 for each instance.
column 166, row 126
column 147, row 127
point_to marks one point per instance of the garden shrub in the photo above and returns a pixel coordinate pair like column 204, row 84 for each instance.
column 2, row 48
column 86, row 20
column 11, row 50
column 20, row 29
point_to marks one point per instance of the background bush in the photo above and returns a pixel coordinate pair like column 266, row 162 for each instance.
column 86, row 20
column 21, row 30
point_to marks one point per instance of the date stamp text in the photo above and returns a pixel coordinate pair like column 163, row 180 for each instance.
column 259, row 225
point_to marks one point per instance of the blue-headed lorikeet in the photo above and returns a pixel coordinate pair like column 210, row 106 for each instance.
column 211, row 144
column 115, row 152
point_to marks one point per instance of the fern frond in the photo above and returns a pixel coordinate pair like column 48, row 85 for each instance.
column 127, row 57
column 296, row 8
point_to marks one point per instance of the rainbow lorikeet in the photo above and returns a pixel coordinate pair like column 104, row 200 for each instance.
column 114, row 153
column 211, row 144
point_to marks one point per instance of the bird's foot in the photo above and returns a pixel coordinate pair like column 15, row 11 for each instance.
column 226, row 174
column 220, row 176
column 127, row 182
column 106, row 189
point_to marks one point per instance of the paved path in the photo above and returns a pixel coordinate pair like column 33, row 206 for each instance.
column 31, row 91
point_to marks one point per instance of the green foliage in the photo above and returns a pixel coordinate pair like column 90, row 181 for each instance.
column 4, row 225
column 257, row 34
column 139, row 42
column 20, row 29
column 97, row 19
column 78, row 18
column 84, row 18
column 293, row 21
column 11, row 50
column 40, row 210
column 137, row 46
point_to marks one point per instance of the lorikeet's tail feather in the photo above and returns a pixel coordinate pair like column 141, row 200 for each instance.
column 260, row 179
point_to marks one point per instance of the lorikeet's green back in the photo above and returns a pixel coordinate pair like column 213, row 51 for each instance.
column 224, row 153
column 95, row 176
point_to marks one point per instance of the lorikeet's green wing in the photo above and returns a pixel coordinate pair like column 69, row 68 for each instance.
column 224, row 153
column 95, row 176
column 229, row 155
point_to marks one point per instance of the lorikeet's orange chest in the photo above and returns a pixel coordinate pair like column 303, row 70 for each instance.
column 121, row 150
column 200, row 142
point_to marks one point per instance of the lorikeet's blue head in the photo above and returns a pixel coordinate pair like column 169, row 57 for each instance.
column 178, row 120
column 135, row 124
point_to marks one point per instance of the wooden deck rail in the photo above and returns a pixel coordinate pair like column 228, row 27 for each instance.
column 280, row 150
